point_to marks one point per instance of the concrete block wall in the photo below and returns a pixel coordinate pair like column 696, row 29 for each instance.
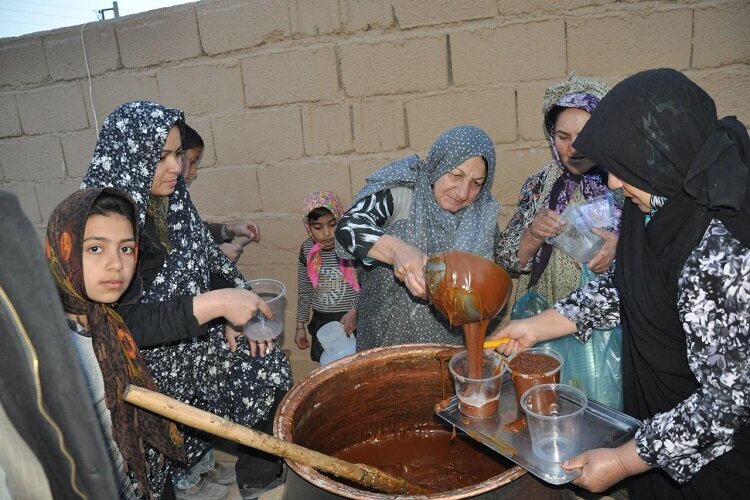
column 296, row 95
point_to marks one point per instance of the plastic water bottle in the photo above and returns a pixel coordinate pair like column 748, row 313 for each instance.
column 336, row 344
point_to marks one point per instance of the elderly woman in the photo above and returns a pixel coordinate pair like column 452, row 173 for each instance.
column 681, row 289
column 139, row 150
column 569, row 179
column 409, row 209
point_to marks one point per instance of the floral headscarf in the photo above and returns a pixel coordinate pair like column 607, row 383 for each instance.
column 203, row 372
column 328, row 200
column 119, row 359
column 432, row 229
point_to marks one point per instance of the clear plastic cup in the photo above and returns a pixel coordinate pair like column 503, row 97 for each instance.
column 554, row 413
column 478, row 397
column 527, row 370
column 261, row 328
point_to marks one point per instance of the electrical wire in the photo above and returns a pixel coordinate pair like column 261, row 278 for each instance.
column 88, row 73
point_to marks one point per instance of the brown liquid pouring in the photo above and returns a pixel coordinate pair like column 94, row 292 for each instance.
column 469, row 290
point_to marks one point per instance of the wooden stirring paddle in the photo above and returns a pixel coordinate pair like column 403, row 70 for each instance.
column 365, row 475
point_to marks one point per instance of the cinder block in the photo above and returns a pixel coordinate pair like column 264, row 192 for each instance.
column 10, row 122
column 495, row 55
column 26, row 195
column 52, row 109
column 51, row 194
column 22, row 61
column 258, row 136
column 203, row 127
column 388, row 67
column 64, row 51
column 380, row 126
column 240, row 24
column 514, row 165
column 284, row 187
column 281, row 235
column 296, row 75
column 158, row 36
column 721, row 35
column 328, row 129
column 78, row 148
column 493, row 110
column 627, row 43
column 363, row 166
column 729, row 87
column 226, row 192
column 111, row 91
column 414, row 13
column 316, row 18
column 204, row 88
column 513, row 7
column 529, row 103
column 34, row 158
column 366, row 15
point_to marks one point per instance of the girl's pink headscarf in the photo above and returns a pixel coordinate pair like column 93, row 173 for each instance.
column 328, row 200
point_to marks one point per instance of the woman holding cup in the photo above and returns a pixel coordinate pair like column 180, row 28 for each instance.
column 680, row 289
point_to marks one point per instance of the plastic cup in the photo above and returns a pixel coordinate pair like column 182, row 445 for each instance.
column 478, row 397
column 554, row 413
column 533, row 367
column 261, row 328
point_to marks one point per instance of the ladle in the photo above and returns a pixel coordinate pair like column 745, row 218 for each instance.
column 465, row 287
column 365, row 475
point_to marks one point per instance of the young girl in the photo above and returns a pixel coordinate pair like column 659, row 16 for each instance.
column 91, row 248
column 324, row 281
column 139, row 150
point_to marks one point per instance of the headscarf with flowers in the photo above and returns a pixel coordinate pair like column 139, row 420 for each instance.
column 203, row 371
column 119, row 359
column 331, row 202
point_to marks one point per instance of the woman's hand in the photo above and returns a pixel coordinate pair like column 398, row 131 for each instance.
column 545, row 225
column 524, row 333
column 520, row 334
column 408, row 266
column 300, row 338
column 245, row 228
column 236, row 305
column 232, row 251
column 260, row 347
column 232, row 333
column 349, row 321
column 604, row 467
column 606, row 254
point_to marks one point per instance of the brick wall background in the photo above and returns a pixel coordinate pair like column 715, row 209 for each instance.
column 297, row 95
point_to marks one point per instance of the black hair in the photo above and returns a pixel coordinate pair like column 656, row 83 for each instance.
column 317, row 213
column 552, row 115
column 191, row 139
column 109, row 203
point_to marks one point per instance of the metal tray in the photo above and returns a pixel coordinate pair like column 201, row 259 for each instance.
column 605, row 428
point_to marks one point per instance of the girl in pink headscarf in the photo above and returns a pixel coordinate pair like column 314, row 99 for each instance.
column 325, row 282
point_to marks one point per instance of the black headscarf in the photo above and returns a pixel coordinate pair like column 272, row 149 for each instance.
column 659, row 132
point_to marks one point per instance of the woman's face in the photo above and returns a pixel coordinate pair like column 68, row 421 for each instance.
column 567, row 127
column 641, row 198
column 190, row 160
column 108, row 256
column 170, row 165
column 459, row 188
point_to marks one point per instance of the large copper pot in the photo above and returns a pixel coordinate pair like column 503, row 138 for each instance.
column 375, row 391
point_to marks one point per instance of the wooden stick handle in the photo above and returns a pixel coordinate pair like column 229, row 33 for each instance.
column 365, row 475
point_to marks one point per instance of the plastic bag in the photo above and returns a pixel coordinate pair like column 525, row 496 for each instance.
column 529, row 304
column 594, row 366
column 576, row 238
